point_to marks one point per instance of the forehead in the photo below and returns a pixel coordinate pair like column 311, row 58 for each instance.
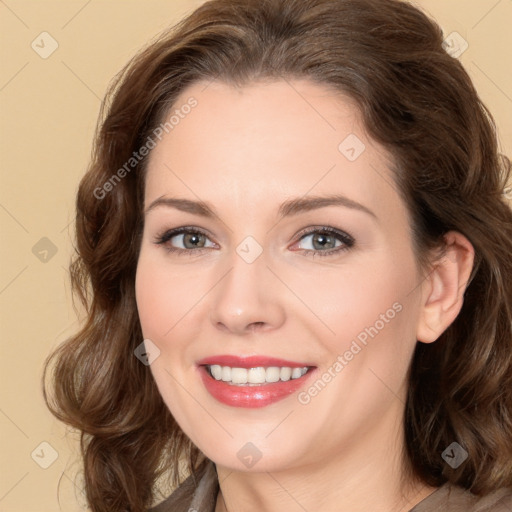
column 266, row 141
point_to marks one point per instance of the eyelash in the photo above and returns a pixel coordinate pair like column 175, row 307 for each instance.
column 347, row 240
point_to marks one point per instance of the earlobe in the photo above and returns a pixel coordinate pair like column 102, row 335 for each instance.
column 443, row 288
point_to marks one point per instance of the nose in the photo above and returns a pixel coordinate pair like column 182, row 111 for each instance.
column 247, row 299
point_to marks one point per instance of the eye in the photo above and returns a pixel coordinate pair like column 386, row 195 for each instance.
column 187, row 239
column 325, row 241
column 320, row 241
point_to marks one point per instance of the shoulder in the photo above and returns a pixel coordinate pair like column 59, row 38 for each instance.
column 198, row 494
column 449, row 498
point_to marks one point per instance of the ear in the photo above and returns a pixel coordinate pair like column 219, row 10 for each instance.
column 444, row 287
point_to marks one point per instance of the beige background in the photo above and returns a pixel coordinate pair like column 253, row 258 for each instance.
column 48, row 114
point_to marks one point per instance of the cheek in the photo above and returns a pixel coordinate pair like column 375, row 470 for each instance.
column 375, row 325
column 155, row 298
column 169, row 306
column 148, row 298
column 159, row 308
column 372, row 315
column 357, row 299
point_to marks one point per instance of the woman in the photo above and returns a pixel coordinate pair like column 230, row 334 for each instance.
column 294, row 247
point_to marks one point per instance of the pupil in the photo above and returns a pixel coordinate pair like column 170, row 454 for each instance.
column 191, row 237
column 323, row 240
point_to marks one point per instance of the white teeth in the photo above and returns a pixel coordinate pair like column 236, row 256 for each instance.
column 216, row 370
column 255, row 376
column 273, row 373
column 285, row 373
column 226, row 373
column 238, row 375
column 296, row 373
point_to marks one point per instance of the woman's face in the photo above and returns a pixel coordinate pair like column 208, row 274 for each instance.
column 258, row 276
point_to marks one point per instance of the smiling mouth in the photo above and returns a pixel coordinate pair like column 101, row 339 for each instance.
column 257, row 376
column 253, row 381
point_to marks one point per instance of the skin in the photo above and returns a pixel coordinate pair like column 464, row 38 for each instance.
column 245, row 151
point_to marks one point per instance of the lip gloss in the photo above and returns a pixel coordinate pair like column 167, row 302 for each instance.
column 251, row 396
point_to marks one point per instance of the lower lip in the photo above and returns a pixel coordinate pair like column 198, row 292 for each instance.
column 251, row 396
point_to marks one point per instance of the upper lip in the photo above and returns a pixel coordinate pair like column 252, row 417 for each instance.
column 250, row 361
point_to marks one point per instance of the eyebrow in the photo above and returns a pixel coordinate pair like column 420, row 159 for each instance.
column 286, row 209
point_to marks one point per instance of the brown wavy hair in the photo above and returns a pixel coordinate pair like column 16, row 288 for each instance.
column 420, row 104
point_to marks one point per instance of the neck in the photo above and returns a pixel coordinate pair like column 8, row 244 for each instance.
column 367, row 475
